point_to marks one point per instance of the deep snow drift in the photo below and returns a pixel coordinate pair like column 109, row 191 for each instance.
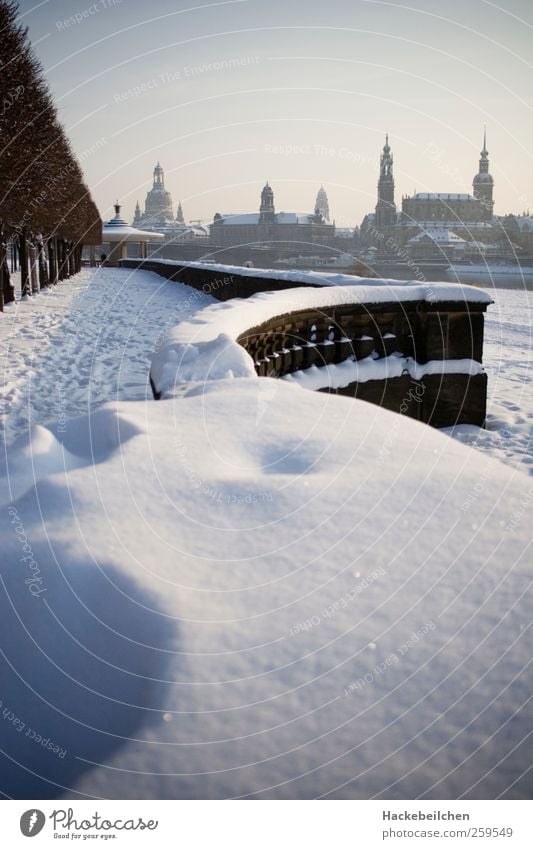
column 256, row 590
column 240, row 594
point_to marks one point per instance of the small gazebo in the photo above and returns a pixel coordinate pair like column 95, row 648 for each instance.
column 118, row 234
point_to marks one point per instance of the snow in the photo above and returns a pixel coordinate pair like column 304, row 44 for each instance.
column 250, row 591
column 368, row 290
column 84, row 342
column 118, row 227
column 507, row 359
column 205, row 348
column 438, row 234
column 252, row 218
column 337, row 376
column 442, row 196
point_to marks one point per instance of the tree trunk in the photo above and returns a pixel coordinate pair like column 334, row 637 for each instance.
column 32, row 250
column 43, row 271
column 6, row 290
column 2, row 272
column 65, row 259
column 60, row 259
column 25, row 287
column 71, row 259
column 52, row 261
column 7, row 293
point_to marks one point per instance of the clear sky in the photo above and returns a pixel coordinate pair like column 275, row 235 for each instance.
column 299, row 92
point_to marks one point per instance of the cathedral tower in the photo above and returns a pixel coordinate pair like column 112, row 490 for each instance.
column 322, row 204
column 385, row 207
column 267, row 210
column 483, row 183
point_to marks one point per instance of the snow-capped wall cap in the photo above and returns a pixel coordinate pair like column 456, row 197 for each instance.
column 205, row 348
column 351, row 289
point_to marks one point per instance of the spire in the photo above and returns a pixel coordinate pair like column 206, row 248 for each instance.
column 386, row 208
column 484, row 152
column 483, row 184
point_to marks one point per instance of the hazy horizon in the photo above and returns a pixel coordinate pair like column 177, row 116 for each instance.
column 229, row 94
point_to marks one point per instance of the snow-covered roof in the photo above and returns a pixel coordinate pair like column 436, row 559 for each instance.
column 252, row 218
column 238, row 218
column 118, row 230
column 445, row 196
column 293, row 217
column 440, row 235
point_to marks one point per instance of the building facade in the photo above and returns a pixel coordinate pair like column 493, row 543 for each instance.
column 469, row 216
column 267, row 225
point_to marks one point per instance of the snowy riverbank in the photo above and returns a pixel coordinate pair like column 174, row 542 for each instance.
column 251, row 590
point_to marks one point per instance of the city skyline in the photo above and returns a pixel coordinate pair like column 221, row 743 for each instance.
column 228, row 95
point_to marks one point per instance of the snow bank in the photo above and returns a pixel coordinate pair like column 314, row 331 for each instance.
column 257, row 592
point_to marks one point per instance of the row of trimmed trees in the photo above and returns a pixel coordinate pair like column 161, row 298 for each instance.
column 46, row 209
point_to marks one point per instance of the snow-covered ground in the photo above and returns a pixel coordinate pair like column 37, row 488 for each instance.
column 508, row 360
column 251, row 590
column 83, row 342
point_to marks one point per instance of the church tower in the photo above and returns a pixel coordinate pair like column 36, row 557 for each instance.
column 138, row 215
column 158, row 206
column 322, row 204
column 385, row 207
column 483, row 183
column 159, row 178
column 267, row 212
column 179, row 215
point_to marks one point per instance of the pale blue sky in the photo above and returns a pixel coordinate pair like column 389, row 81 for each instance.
column 229, row 94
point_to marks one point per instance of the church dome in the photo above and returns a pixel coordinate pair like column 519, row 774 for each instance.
column 483, row 178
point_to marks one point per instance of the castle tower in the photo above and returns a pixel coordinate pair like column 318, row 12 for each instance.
column 179, row 215
column 322, row 204
column 483, row 184
column 385, row 207
column 267, row 210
